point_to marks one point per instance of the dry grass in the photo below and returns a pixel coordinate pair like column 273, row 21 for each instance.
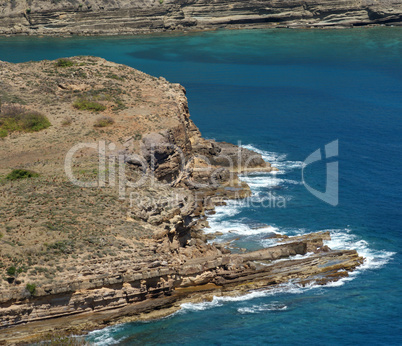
column 67, row 121
column 104, row 121
column 16, row 118
column 87, row 105
column 50, row 228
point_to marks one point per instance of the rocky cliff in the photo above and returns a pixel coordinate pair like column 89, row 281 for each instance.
column 98, row 17
column 102, row 212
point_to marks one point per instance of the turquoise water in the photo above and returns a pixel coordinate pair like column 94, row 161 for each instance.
column 285, row 93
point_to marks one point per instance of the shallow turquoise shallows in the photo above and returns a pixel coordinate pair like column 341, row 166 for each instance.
column 285, row 93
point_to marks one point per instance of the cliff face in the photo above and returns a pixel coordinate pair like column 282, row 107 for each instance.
column 63, row 238
column 99, row 253
column 44, row 17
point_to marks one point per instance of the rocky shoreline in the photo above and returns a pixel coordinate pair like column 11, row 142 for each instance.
column 122, row 17
column 160, row 290
column 117, row 252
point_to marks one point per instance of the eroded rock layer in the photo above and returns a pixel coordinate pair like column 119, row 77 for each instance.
column 46, row 17
column 142, row 287
column 131, row 243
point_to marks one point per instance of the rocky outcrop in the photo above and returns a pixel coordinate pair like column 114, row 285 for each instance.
column 45, row 17
column 97, row 254
column 136, row 287
column 231, row 157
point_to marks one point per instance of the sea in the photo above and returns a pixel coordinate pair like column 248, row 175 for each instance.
column 285, row 94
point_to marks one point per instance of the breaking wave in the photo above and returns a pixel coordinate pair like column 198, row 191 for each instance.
column 276, row 160
column 106, row 336
column 216, row 301
column 344, row 239
column 255, row 309
column 340, row 238
column 287, row 288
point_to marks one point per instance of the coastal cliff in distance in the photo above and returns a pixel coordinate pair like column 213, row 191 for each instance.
column 98, row 254
column 103, row 17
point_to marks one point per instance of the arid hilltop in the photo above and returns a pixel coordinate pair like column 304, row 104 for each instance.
column 105, row 189
column 93, row 17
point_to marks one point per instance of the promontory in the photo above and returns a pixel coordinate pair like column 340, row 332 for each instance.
column 106, row 185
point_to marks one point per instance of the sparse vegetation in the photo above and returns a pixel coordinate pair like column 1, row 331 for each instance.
column 3, row 133
column 11, row 271
column 64, row 63
column 66, row 121
column 104, row 122
column 119, row 105
column 31, row 288
column 50, row 227
column 64, row 246
column 21, row 174
column 114, row 76
column 15, row 118
column 85, row 104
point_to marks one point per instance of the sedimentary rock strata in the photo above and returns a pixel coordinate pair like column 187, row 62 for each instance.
column 44, row 17
column 132, row 241
column 140, row 287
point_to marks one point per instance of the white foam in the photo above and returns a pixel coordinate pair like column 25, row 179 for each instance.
column 254, row 309
column 104, row 337
column 237, row 227
column 277, row 160
column 264, row 181
column 344, row 239
column 292, row 258
column 217, row 301
column 340, row 282
column 221, row 222
column 341, row 238
column 231, row 209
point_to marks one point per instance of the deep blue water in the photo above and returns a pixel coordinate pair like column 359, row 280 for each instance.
column 286, row 93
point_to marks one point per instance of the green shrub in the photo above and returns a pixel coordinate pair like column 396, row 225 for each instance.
column 11, row 271
column 31, row 288
column 104, row 121
column 21, row 174
column 64, row 63
column 16, row 118
column 3, row 133
column 84, row 104
column 28, row 11
column 63, row 246
column 114, row 76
